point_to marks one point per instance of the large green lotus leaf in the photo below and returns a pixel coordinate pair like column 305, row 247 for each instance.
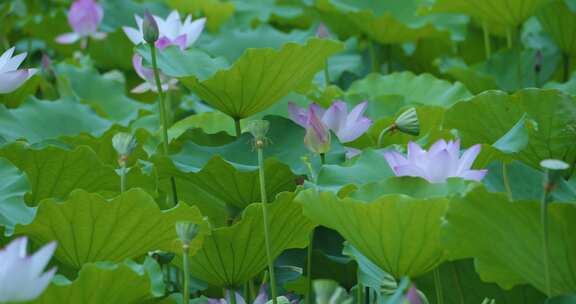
column 559, row 21
column 248, row 11
column 550, row 122
column 55, row 172
column 463, row 285
column 90, row 228
column 219, row 184
column 192, row 62
column 232, row 255
column 209, row 122
column 13, row 210
column 398, row 233
column 505, row 238
column 422, row 89
column 38, row 120
column 102, row 92
column 413, row 186
column 261, row 77
column 101, row 283
column 217, row 12
column 496, row 13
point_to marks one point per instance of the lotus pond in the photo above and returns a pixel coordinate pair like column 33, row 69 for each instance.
column 288, row 151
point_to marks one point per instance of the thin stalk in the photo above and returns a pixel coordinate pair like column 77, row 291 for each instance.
column 383, row 133
column 359, row 289
column 122, row 178
column 487, row 46
column 232, row 294
column 545, row 241
column 323, row 158
column 506, row 181
column 367, row 295
column 163, row 118
column 309, row 269
column 264, row 199
column 388, row 50
column 251, row 290
column 438, row 286
column 186, row 266
column 326, row 74
column 509, row 38
column 238, row 127
column 565, row 67
column 373, row 58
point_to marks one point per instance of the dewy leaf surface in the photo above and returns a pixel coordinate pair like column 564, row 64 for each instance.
column 232, row 255
column 398, row 233
column 261, row 77
column 505, row 238
column 89, row 228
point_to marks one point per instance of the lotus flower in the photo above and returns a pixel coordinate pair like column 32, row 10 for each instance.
column 317, row 138
column 346, row 126
column 172, row 31
column 22, row 277
column 262, row 297
column 84, row 17
column 148, row 75
column 10, row 77
column 440, row 162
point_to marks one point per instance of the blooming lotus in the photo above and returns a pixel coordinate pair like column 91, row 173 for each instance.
column 84, row 17
column 171, row 31
column 262, row 298
column 22, row 278
column 10, row 77
column 317, row 138
column 441, row 161
column 346, row 126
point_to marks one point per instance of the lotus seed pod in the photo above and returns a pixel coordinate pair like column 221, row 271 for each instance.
column 408, row 122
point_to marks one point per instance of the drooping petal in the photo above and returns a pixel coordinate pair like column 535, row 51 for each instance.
column 10, row 81
column 68, row 38
column 297, row 114
column 352, row 131
column 468, row 158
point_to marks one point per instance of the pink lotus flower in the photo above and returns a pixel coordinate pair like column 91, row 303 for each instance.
column 346, row 126
column 261, row 298
column 22, row 277
column 317, row 138
column 171, row 31
column 10, row 77
column 84, row 17
column 440, row 162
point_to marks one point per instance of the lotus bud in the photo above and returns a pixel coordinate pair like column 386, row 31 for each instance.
column 322, row 32
column 317, row 138
column 259, row 129
column 186, row 231
column 538, row 61
column 408, row 122
column 150, row 30
column 124, row 144
column 554, row 170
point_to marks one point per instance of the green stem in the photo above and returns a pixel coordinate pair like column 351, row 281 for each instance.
column 323, row 158
column 232, row 294
column 264, row 199
column 238, row 127
column 326, row 73
column 163, row 118
column 309, row 269
column 186, row 270
column 123, row 178
column 373, row 58
column 359, row 289
column 506, row 181
column 509, row 38
column 438, row 286
column 383, row 133
column 565, row 67
column 545, row 241
column 487, row 46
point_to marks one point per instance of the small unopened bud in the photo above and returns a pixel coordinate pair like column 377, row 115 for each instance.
column 553, row 171
column 538, row 61
column 258, row 129
column 317, row 138
column 124, row 144
column 186, row 232
column 322, row 32
column 150, row 30
column 408, row 122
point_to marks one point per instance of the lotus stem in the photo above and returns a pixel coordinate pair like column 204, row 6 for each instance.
column 186, row 273
column 323, row 158
column 383, row 133
column 508, row 38
column 163, row 117
column 309, row 269
column 264, row 199
column 438, row 286
column 545, row 243
column 123, row 178
column 238, row 127
column 232, row 294
column 373, row 58
column 359, row 289
column 565, row 67
column 487, row 46
column 326, row 74
column 506, row 181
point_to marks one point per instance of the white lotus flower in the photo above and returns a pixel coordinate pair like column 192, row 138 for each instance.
column 22, row 277
column 439, row 163
column 10, row 77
